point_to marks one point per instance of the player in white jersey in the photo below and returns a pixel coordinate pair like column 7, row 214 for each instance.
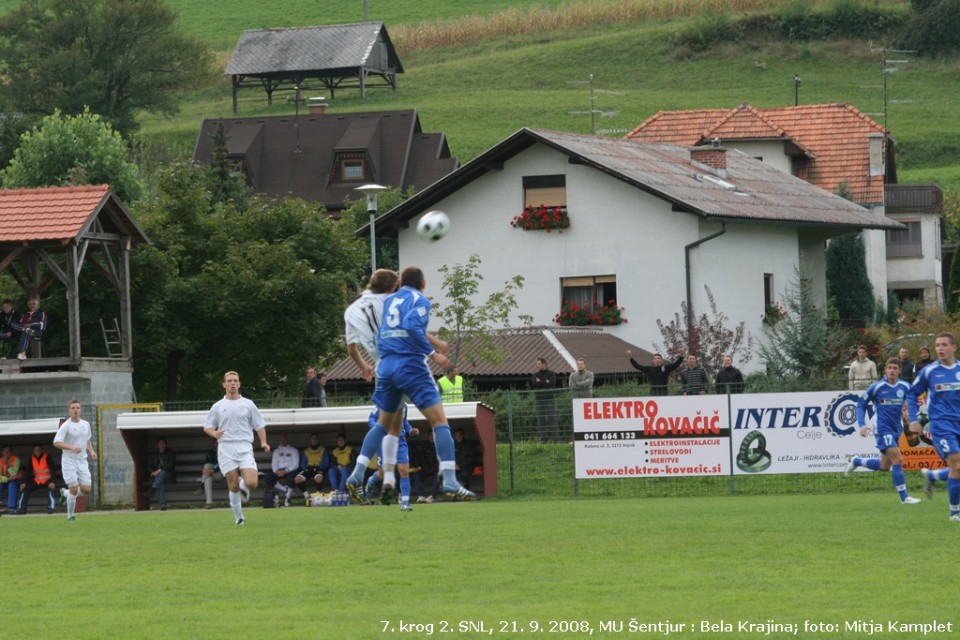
column 362, row 319
column 73, row 438
column 232, row 422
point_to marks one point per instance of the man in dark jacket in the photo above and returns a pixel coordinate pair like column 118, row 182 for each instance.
column 658, row 374
column 694, row 378
column 314, row 395
column 9, row 336
column 162, row 465
column 729, row 379
column 544, row 385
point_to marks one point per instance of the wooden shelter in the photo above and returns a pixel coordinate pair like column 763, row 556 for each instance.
column 49, row 234
column 336, row 56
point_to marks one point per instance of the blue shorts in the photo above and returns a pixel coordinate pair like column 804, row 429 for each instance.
column 886, row 440
column 946, row 442
column 399, row 376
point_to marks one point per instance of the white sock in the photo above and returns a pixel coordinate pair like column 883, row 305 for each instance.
column 235, row 504
column 71, row 504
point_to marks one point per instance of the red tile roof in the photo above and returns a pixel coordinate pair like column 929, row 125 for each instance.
column 49, row 213
column 832, row 137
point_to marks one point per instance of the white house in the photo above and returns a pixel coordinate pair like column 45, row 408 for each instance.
column 836, row 147
column 650, row 225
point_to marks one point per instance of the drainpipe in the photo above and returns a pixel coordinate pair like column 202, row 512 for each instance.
column 687, row 249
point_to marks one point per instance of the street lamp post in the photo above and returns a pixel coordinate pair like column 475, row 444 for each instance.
column 371, row 191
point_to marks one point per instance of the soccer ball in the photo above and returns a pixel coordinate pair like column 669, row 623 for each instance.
column 433, row 225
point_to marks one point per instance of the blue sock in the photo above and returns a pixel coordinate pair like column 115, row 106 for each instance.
column 404, row 489
column 873, row 464
column 899, row 481
column 371, row 443
column 953, row 494
column 940, row 474
column 446, row 452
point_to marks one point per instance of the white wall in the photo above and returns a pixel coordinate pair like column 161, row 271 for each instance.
column 615, row 229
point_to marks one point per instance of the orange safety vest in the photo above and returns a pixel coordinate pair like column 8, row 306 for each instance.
column 41, row 468
column 6, row 465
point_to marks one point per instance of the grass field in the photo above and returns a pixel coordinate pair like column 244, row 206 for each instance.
column 567, row 566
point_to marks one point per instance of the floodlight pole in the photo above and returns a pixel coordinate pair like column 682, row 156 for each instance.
column 371, row 191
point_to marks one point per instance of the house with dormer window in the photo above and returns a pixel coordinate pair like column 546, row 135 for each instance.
column 323, row 157
column 842, row 150
column 620, row 234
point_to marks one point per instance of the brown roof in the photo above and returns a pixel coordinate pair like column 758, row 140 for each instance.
column 61, row 213
column 746, row 190
column 296, row 156
column 560, row 346
column 832, row 138
column 305, row 49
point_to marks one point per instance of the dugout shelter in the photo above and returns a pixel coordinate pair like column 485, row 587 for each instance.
column 184, row 433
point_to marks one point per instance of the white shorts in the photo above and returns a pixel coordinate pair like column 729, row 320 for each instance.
column 75, row 472
column 235, row 455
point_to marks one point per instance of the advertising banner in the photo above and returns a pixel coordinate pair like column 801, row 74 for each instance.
column 651, row 437
column 756, row 433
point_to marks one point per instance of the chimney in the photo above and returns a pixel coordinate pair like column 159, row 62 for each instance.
column 713, row 156
column 877, row 161
column 318, row 106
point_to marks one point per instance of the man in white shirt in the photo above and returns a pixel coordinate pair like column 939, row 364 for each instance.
column 863, row 371
column 73, row 438
column 284, row 468
column 232, row 422
column 362, row 319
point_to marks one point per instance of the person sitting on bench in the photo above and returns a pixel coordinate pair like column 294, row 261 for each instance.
column 31, row 326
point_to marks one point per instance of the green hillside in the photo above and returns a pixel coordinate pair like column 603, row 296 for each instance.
column 487, row 88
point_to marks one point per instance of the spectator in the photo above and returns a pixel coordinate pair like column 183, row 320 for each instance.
column 73, row 438
column 314, row 394
column 906, row 367
column 31, row 326
column 342, row 460
column 544, row 384
column 657, row 374
column 581, row 381
column 162, row 465
column 694, row 378
column 284, row 468
column 9, row 336
column 729, row 379
column 863, row 371
column 314, row 464
column 41, row 477
column 451, row 385
column 11, row 476
column 924, row 360
column 425, row 466
column 208, row 473
column 465, row 456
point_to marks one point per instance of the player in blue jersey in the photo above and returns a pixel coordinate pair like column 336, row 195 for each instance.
column 403, row 461
column 888, row 397
column 404, row 347
column 941, row 382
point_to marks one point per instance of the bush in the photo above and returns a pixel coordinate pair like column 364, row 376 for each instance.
column 934, row 30
column 709, row 30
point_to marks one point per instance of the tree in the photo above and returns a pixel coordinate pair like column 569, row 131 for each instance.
column 801, row 344
column 934, row 28
column 847, row 280
column 953, row 287
column 73, row 150
column 468, row 326
column 115, row 56
column 708, row 337
column 260, row 291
